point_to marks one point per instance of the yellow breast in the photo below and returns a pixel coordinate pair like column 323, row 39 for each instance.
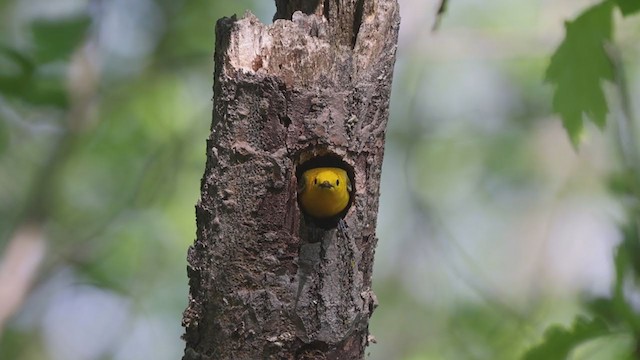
column 324, row 191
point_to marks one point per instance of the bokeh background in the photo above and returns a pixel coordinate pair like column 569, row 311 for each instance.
column 492, row 226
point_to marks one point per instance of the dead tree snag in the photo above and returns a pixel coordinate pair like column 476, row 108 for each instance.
column 265, row 283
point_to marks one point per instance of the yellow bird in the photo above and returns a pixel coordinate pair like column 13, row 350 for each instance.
column 324, row 192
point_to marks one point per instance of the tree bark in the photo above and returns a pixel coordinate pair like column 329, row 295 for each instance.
column 265, row 282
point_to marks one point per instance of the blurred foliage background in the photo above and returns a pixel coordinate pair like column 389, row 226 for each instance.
column 492, row 226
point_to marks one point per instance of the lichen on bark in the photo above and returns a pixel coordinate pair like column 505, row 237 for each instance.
column 312, row 85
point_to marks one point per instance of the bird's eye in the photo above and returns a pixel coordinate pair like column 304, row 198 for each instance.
column 337, row 182
column 315, row 181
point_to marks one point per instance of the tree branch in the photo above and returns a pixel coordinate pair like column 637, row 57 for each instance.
column 265, row 282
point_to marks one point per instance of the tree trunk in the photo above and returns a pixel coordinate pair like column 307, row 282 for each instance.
column 266, row 282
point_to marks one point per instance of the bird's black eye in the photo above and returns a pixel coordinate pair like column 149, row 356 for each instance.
column 337, row 182
column 315, row 181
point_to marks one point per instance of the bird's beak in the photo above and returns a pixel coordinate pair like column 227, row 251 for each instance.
column 325, row 185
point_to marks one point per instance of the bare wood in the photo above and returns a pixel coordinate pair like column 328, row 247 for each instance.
column 260, row 288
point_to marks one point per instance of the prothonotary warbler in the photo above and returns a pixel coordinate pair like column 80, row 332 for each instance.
column 324, row 192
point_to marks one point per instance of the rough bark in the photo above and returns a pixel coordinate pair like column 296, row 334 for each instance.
column 265, row 282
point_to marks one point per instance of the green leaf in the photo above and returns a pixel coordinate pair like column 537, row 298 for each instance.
column 603, row 308
column 56, row 39
column 4, row 135
column 558, row 341
column 16, row 70
column 48, row 90
column 627, row 266
column 628, row 7
column 629, row 248
column 21, row 78
column 621, row 183
column 578, row 67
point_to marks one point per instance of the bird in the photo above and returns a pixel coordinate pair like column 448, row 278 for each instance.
column 324, row 192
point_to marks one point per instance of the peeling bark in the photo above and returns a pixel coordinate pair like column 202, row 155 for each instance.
column 265, row 282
